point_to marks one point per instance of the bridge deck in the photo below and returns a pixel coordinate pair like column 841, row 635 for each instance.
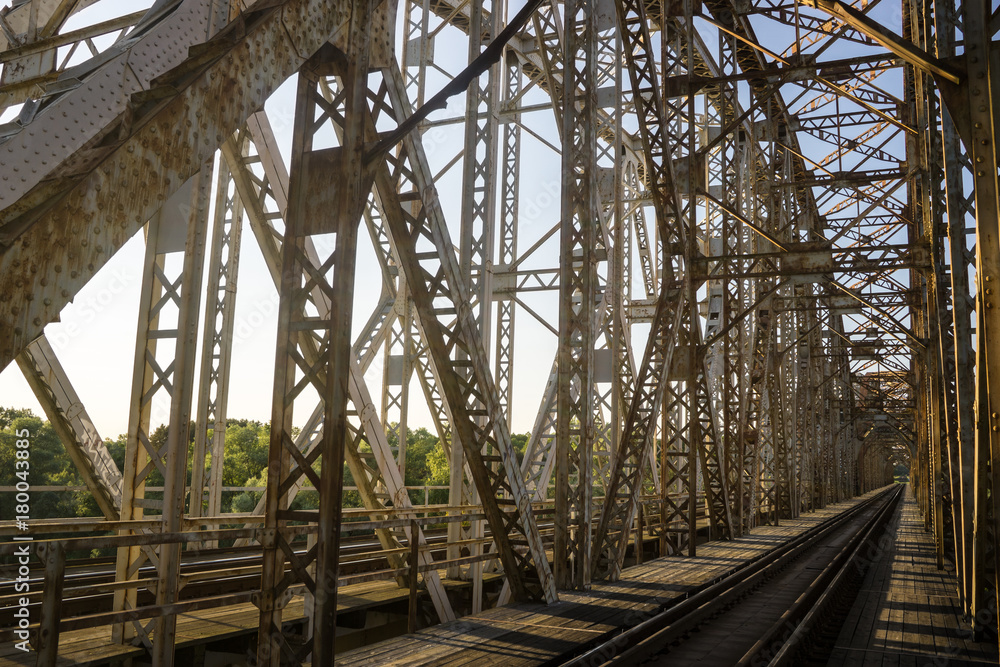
column 93, row 646
column 532, row 634
column 906, row 612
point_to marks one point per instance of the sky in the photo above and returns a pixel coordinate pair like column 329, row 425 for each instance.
column 95, row 339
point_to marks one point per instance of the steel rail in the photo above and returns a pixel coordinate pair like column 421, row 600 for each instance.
column 649, row 637
column 818, row 599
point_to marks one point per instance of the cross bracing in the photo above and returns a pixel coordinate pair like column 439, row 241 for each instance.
column 724, row 262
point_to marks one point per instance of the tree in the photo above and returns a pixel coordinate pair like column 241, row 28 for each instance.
column 246, row 450
column 247, row 445
column 46, row 465
column 8, row 415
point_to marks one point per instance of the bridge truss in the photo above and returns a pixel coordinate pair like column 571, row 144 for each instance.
column 765, row 251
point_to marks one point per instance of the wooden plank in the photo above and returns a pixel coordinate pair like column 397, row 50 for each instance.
column 909, row 605
column 544, row 633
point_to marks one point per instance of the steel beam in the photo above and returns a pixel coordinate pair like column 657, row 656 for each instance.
column 574, row 445
column 88, row 222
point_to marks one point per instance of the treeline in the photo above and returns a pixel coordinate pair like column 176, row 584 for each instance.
column 245, row 465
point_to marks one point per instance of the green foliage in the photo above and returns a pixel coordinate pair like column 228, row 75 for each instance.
column 247, row 444
column 246, row 451
column 246, row 448
column 48, row 465
column 8, row 415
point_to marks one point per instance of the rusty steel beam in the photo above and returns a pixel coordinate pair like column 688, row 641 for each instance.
column 61, row 404
column 151, row 147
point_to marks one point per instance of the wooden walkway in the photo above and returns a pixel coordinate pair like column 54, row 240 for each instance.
column 906, row 613
column 93, row 646
column 532, row 634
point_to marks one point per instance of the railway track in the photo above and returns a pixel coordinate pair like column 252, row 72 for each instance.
column 739, row 621
column 89, row 583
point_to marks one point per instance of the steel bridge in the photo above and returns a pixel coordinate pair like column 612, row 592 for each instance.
column 761, row 236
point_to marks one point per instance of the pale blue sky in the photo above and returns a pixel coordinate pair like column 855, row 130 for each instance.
column 96, row 337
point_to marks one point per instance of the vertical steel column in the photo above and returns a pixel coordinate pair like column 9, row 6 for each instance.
column 637, row 434
column 981, row 140
column 729, row 168
column 397, row 371
column 925, row 215
column 959, row 259
column 216, row 344
column 174, row 487
column 375, row 467
column 476, row 236
column 510, row 184
column 577, row 300
column 328, row 191
column 165, row 291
